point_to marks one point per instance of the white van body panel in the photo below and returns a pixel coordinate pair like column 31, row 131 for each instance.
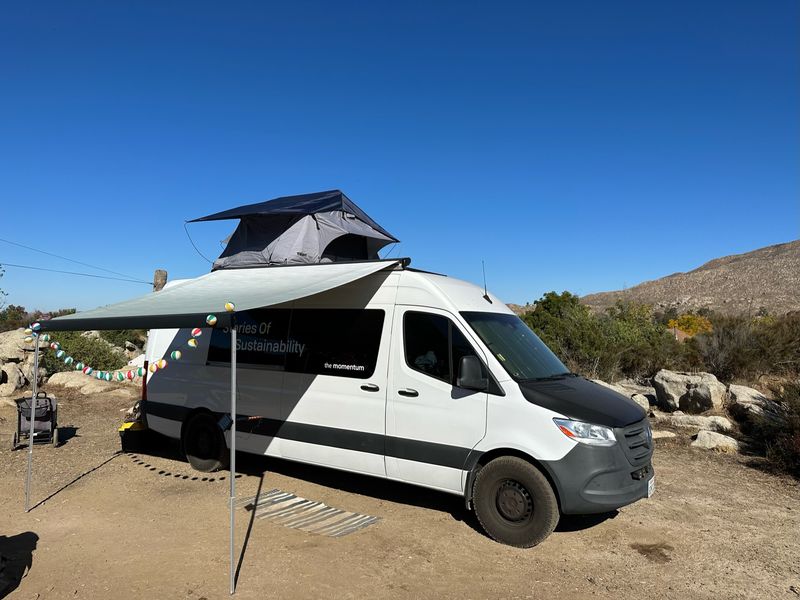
column 443, row 417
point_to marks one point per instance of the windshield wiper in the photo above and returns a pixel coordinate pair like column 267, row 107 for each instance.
column 553, row 377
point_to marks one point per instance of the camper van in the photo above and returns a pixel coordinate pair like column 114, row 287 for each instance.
column 415, row 377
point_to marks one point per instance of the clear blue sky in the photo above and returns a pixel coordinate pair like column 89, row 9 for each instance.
column 572, row 145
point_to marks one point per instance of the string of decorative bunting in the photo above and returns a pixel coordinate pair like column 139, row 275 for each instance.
column 32, row 333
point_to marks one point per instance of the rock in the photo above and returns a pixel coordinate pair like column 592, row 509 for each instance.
column 747, row 404
column 657, row 435
column 629, row 392
column 12, row 379
column 719, row 424
column 12, row 346
column 642, row 401
column 697, row 400
column 90, row 385
column 635, row 387
column 137, row 361
column 689, row 392
column 708, row 440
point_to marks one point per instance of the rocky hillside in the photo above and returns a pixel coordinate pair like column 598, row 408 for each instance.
column 768, row 277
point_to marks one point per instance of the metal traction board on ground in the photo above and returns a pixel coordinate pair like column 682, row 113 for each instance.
column 295, row 512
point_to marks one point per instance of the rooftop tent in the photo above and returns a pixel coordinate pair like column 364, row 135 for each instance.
column 308, row 228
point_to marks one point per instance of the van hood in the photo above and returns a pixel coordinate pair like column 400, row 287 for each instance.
column 583, row 400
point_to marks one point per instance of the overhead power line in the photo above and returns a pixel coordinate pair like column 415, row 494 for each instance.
column 7, row 264
column 77, row 262
column 191, row 241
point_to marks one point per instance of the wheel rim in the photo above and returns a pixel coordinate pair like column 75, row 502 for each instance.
column 203, row 443
column 513, row 501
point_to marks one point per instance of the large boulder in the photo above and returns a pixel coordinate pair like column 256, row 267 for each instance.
column 12, row 379
column 689, row 392
column 718, row 424
column 12, row 346
column 708, row 440
column 628, row 392
column 90, row 385
column 642, row 401
column 749, row 405
column 634, row 386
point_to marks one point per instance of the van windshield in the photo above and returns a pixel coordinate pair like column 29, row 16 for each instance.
column 518, row 349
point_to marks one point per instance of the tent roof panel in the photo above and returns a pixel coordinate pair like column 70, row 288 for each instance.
column 302, row 204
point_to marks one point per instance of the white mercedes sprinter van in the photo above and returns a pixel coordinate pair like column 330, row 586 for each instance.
column 414, row 377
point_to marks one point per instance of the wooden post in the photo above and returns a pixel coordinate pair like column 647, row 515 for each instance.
column 159, row 280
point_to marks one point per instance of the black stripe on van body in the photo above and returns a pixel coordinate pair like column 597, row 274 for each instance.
column 431, row 453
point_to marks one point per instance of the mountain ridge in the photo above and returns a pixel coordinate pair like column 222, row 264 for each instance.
column 767, row 278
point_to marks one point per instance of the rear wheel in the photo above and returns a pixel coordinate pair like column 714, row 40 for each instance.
column 14, row 441
column 55, row 436
column 204, row 443
column 514, row 502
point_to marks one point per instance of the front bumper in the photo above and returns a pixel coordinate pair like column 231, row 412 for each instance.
column 596, row 479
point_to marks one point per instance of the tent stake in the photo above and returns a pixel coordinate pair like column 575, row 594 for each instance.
column 233, row 446
column 34, row 390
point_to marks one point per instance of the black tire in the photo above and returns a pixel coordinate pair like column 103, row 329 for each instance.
column 14, row 441
column 204, row 444
column 514, row 502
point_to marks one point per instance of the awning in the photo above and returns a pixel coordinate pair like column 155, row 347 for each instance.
column 187, row 303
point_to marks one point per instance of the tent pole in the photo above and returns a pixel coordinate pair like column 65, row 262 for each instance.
column 233, row 447
column 34, row 391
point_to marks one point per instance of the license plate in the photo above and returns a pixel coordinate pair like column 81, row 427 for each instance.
column 651, row 486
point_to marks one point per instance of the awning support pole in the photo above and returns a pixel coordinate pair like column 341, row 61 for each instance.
column 233, row 446
column 35, row 391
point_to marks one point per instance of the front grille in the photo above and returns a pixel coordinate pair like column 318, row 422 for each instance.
column 636, row 442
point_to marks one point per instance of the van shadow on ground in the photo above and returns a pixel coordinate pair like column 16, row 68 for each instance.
column 353, row 483
column 16, row 558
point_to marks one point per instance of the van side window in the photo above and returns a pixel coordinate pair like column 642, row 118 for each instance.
column 426, row 338
column 262, row 337
column 434, row 345
column 341, row 342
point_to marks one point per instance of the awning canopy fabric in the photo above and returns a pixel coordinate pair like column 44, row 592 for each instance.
column 188, row 303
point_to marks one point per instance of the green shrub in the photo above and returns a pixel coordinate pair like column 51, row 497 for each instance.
column 626, row 341
column 88, row 350
column 746, row 348
column 781, row 441
column 118, row 337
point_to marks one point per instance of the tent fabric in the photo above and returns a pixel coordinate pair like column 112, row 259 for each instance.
column 301, row 204
column 187, row 303
column 300, row 230
column 264, row 241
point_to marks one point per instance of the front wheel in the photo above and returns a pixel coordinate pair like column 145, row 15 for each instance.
column 515, row 502
column 204, row 443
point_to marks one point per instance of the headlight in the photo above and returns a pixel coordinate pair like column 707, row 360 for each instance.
column 586, row 433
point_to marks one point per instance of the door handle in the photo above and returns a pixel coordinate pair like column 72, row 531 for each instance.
column 370, row 387
column 408, row 392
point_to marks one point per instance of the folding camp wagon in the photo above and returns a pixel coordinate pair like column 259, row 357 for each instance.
column 45, row 420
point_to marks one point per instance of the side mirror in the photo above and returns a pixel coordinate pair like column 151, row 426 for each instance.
column 471, row 375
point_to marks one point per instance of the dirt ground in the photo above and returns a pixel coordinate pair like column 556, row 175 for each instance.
column 108, row 525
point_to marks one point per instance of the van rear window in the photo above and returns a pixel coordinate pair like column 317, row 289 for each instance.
column 341, row 342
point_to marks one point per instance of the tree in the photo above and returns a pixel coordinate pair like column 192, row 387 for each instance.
column 691, row 324
column 3, row 293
